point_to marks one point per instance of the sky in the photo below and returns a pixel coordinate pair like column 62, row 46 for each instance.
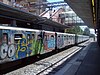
column 83, row 27
column 91, row 30
column 54, row 0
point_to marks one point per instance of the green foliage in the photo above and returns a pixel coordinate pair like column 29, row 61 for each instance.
column 86, row 31
column 74, row 30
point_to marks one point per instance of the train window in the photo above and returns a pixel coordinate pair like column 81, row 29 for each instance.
column 71, row 37
column 59, row 36
column 17, row 37
column 33, row 36
column 68, row 37
column 52, row 36
column 45, row 37
column 64, row 37
column 39, row 37
column 5, row 37
column 28, row 38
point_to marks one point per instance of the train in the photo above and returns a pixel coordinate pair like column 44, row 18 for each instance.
column 18, row 43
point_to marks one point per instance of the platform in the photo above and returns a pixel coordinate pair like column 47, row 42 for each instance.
column 87, row 62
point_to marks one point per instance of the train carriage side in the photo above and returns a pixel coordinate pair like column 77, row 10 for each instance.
column 29, row 44
column 49, row 41
column 18, row 43
column 79, row 38
column 82, row 38
column 65, row 39
column 71, row 39
column 85, row 37
column 60, row 40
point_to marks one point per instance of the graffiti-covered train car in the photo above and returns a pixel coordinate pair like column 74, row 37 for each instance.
column 18, row 43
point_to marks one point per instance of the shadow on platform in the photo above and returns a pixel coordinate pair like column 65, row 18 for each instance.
column 91, row 62
column 85, row 62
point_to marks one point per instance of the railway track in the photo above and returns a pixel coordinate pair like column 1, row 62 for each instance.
column 47, row 65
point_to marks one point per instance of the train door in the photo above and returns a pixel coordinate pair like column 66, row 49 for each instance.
column 11, row 45
column 29, row 44
column 21, row 45
column 49, row 41
column 7, row 48
column 72, row 39
column 34, row 52
column 39, row 42
column 58, row 41
column 64, row 40
column 69, row 40
column 45, row 41
column 61, row 40
column 4, row 46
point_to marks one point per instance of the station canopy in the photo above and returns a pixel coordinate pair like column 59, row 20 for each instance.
column 9, row 13
column 83, row 9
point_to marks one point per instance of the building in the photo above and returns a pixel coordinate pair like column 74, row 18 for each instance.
column 26, row 5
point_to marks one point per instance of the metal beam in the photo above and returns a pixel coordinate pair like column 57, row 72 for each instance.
column 83, row 10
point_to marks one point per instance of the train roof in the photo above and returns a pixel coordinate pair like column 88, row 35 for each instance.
column 65, row 33
column 71, row 34
column 81, row 35
column 18, row 28
column 48, row 31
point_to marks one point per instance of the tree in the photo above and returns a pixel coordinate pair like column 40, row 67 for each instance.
column 74, row 30
column 86, row 31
